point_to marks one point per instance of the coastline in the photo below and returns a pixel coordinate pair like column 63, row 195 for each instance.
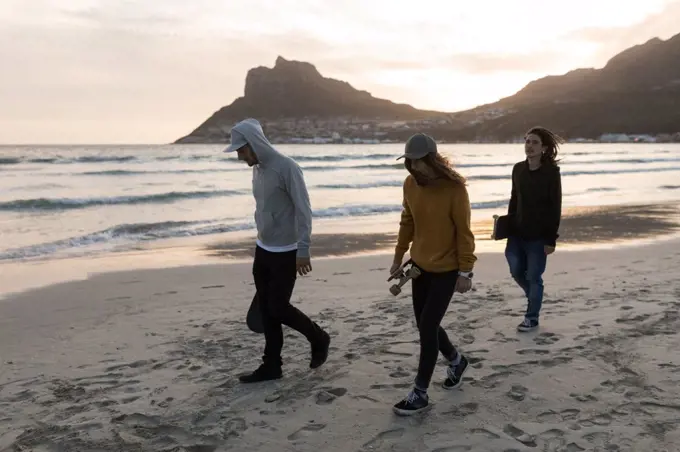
column 581, row 225
column 584, row 228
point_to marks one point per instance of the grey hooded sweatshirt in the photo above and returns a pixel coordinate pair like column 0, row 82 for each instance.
column 283, row 213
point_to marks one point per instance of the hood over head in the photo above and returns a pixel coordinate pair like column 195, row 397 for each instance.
column 249, row 131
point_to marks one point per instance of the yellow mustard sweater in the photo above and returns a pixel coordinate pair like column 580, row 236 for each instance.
column 436, row 218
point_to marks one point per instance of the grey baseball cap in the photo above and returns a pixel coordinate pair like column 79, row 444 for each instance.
column 237, row 141
column 418, row 146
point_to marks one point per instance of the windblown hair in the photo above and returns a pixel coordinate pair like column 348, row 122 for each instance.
column 549, row 139
column 441, row 166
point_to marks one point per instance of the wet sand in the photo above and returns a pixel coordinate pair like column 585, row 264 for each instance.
column 580, row 225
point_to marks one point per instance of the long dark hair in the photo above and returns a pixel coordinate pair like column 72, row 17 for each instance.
column 442, row 167
column 549, row 139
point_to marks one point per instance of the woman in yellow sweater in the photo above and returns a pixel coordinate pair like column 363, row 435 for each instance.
column 435, row 223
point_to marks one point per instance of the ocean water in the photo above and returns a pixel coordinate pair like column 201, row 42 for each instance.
column 66, row 201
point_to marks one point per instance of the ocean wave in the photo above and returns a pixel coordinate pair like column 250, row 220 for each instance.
column 138, row 173
column 80, row 203
column 341, row 157
column 387, row 183
column 330, row 158
column 130, row 234
column 602, row 189
column 120, row 234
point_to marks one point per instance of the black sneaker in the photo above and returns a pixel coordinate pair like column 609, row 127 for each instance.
column 414, row 402
column 320, row 351
column 262, row 373
column 527, row 325
column 454, row 374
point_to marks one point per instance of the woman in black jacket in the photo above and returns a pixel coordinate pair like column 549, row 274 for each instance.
column 535, row 210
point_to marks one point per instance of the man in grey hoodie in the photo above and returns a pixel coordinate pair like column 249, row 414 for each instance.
column 283, row 216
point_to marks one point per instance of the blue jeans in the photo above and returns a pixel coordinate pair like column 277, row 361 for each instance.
column 527, row 261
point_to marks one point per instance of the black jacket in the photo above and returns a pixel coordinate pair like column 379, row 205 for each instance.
column 536, row 202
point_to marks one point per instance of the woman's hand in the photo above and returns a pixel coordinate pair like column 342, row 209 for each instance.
column 463, row 284
column 395, row 266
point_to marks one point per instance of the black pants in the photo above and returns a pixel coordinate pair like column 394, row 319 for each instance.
column 275, row 275
column 432, row 294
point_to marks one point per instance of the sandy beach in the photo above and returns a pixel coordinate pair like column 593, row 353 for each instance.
column 148, row 359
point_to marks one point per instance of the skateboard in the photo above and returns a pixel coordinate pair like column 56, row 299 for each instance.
column 501, row 227
column 404, row 276
column 254, row 317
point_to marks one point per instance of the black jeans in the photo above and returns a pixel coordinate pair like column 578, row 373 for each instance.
column 275, row 275
column 432, row 294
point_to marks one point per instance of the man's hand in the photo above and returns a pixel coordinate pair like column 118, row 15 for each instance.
column 303, row 265
column 463, row 284
column 548, row 249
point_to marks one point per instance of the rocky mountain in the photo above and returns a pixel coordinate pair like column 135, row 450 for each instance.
column 295, row 90
column 636, row 92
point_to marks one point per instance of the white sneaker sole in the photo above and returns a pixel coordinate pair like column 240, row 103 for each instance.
column 400, row 412
column 526, row 329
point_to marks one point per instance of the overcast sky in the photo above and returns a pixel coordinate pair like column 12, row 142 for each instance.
column 150, row 71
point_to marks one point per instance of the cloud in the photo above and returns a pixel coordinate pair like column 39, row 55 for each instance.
column 112, row 70
column 464, row 63
column 608, row 41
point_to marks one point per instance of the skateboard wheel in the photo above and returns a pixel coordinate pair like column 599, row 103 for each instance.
column 395, row 290
column 415, row 272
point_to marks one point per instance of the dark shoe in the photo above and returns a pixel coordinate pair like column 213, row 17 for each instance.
column 454, row 374
column 320, row 351
column 527, row 325
column 414, row 402
column 262, row 373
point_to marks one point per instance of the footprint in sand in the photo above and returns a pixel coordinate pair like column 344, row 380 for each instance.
column 550, row 417
column 453, row 449
column 234, row 427
column 573, row 447
column 324, row 397
column 463, row 410
column 485, row 433
column 533, row 351
column 635, row 319
column 517, row 393
column 600, row 439
column 583, row 397
column 546, row 339
column 520, row 435
column 602, row 419
column 306, row 431
column 399, row 373
column 467, row 339
column 476, row 362
column 553, row 440
column 491, row 381
column 500, row 337
column 381, row 438
column 570, row 414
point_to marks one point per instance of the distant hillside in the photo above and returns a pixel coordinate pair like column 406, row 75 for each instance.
column 638, row 91
column 296, row 90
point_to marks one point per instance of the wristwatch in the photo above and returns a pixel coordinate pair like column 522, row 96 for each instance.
column 468, row 275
